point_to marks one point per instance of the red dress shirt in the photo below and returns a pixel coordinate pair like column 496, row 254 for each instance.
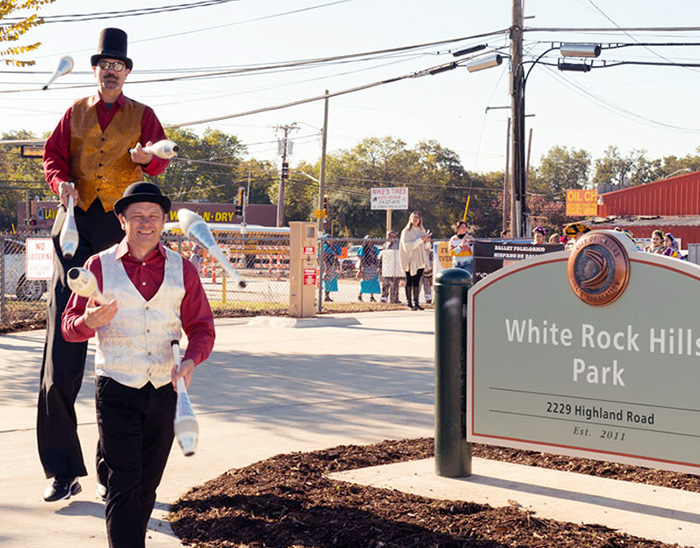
column 57, row 147
column 147, row 276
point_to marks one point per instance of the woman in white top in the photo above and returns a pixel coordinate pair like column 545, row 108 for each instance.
column 414, row 257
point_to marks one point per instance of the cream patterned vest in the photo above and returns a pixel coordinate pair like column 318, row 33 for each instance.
column 135, row 347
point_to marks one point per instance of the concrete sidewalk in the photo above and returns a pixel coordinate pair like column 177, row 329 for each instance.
column 273, row 386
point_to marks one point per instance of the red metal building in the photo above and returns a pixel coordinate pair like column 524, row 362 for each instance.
column 671, row 205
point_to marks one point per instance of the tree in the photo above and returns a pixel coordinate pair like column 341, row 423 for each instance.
column 438, row 185
column 20, row 178
column 617, row 169
column 208, row 168
column 13, row 31
column 560, row 169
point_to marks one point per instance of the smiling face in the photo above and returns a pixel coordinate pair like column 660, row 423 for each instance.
column 538, row 237
column 415, row 218
column 656, row 240
column 143, row 222
column 668, row 242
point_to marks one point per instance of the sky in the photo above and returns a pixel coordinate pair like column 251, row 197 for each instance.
column 652, row 108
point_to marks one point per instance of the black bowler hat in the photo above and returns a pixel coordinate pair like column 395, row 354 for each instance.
column 142, row 191
column 112, row 45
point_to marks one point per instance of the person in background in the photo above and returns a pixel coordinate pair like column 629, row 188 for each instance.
column 98, row 146
column 538, row 235
column 505, row 233
column 573, row 231
column 414, row 256
column 671, row 247
column 426, row 280
column 390, row 259
column 196, row 258
column 154, row 294
column 657, row 242
column 460, row 247
column 369, row 270
column 330, row 265
column 555, row 239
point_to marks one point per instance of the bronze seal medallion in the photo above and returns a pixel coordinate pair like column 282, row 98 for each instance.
column 598, row 268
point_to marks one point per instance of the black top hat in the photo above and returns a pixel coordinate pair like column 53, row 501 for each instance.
column 112, row 45
column 142, row 191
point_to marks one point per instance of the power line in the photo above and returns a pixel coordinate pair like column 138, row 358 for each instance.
column 608, row 29
column 76, row 17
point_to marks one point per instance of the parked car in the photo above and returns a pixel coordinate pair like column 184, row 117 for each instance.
column 14, row 273
column 352, row 261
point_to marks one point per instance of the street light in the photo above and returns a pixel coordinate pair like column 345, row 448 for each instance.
column 519, row 80
column 486, row 62
column 580, row 50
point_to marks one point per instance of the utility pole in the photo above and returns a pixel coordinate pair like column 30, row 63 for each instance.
column 322, row 179
column 506, row 182
column 518, row 115
column 285, row 149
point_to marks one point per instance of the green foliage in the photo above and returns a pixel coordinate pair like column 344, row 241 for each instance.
column 616, row 168
column 19, row 178
column 560, row 169
column 438, row 186
column 207, row 169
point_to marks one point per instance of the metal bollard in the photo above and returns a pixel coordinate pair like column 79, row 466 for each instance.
column 453, row 455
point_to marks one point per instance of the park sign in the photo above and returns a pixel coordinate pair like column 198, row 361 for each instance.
column 590, row 353
column 389, row 198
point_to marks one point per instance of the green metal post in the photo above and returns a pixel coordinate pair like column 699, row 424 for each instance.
column 453, row 455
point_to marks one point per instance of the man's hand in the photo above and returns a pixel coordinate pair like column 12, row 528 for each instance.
column 99, row 316
column 186, row 370
column 64, row 191
column 140, row 156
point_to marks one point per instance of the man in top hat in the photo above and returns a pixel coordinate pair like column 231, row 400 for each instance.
column 90, row 147
column 154, row 294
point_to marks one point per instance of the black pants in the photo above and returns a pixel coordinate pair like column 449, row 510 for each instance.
column 413, row 286
column 136, row 434
column 64, row 363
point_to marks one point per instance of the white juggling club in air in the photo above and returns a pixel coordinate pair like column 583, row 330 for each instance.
column 82, row 282
column 163, row 149
column 68, row 238
column 65, row 65
column 198, row 231
column 186, row 425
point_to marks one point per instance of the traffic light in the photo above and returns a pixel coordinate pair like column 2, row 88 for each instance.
column 285, row 171
column 325, row 203
column 239, row 202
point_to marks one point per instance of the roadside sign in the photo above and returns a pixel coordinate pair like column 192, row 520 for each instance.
column 39, row 259
column 581, row 202
column 389, row 198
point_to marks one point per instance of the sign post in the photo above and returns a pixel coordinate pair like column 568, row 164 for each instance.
column 389, row 199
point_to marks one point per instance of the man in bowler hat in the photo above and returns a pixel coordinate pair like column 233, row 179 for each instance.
column 154, row 294
column 97, row 145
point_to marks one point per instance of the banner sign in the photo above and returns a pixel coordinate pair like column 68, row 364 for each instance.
column 490, row 255
column 570, row 353
column 581, row 203
column 389, row 198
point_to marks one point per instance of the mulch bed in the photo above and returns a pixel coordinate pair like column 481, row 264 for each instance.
column 287, row 502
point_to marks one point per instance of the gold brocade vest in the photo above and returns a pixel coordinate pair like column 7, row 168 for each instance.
column 100, row 163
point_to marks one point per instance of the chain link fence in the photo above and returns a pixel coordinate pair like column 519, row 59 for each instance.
column 22, row 301
column 350, row 277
